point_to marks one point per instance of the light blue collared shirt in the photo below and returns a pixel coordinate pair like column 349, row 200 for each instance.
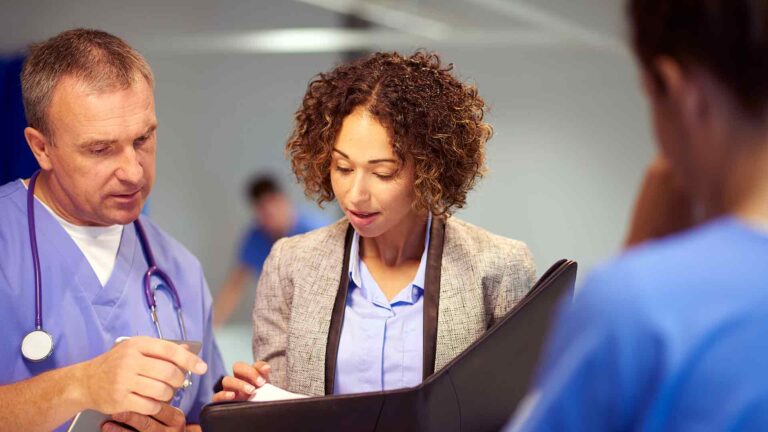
column 381, row 345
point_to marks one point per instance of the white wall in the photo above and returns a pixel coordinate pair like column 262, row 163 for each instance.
column 571, row 128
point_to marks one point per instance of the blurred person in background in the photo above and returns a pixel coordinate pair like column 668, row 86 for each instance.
column 274, row 217
column 391, row 293
column 671, row 335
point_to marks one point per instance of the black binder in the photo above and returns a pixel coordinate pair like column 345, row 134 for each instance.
column 477, row 391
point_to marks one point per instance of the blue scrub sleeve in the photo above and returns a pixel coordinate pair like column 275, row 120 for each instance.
column 212, row 356
column 597, row 366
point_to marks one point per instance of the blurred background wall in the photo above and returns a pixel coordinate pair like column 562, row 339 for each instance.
column 572, row 134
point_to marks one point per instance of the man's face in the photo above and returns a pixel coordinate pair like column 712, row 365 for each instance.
column 102, row 157
column 274, row 213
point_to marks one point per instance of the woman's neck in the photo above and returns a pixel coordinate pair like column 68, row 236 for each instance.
column 402, row 243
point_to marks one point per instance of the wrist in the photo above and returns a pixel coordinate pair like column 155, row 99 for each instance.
column 75, row 393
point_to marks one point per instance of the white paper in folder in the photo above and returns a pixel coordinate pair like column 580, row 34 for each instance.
column 268, row 392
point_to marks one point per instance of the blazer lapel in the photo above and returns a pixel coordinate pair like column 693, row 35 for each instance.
column 313, row 304
column 432, row 293
column 461, row 310
column 337, row 316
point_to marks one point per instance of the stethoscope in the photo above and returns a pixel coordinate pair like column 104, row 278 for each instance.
column 37, row 345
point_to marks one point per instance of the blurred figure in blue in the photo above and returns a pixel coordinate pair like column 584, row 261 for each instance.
column 673, row 334
column 275, row 217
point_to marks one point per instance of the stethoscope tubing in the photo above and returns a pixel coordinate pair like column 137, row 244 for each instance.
column 35, row 253
column 152, row 270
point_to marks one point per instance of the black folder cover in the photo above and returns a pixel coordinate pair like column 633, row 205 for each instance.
column 477, row 391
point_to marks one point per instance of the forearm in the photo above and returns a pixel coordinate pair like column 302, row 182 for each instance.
column 229, row 295
column 44, row 402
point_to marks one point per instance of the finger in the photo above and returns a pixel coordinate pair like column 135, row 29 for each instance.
column 248, row 373
column 171, row 352
column 161, row 370
column 237, row 385
column 171, row 416
column 264, row 368
column 152, row 388
column 223, row 396
column 141, row 404
column 113, row 427
column 140, row 422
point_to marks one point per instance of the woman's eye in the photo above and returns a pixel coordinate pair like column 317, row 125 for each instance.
column 343, row 170
column 384, row 176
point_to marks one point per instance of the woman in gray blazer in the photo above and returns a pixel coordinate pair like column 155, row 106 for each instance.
column 392, row 292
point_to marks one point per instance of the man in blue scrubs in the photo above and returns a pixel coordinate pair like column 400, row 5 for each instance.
column 90, row 107
column 673, row 334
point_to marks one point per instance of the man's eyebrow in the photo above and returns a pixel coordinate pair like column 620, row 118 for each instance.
column 150, row 129
column 97, row 142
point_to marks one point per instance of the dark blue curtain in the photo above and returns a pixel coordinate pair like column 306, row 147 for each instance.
column 16, row 160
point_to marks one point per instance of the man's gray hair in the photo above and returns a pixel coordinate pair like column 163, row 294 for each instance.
column 98, row 59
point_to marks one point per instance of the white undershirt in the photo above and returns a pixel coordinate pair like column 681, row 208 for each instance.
column 98, row 244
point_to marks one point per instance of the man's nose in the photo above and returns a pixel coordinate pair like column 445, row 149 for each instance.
column 130, row 170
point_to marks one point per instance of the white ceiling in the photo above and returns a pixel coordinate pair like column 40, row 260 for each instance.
column 312, row 25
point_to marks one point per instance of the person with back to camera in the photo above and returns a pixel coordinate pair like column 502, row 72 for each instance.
column 398, row 287
column 671, row 336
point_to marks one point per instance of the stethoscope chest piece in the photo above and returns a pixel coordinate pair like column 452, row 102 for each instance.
column 37, row 346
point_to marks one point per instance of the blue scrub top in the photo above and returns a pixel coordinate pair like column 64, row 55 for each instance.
column 671, row 336
column 85, row 318
column 257, row 244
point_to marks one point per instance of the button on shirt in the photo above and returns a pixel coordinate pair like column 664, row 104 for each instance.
column 381, row 344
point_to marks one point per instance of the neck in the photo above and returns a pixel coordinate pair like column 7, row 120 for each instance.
column 402, row 243
column 48, row 191
column 744, row 189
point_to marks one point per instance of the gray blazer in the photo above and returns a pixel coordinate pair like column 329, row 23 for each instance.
column 482, row 276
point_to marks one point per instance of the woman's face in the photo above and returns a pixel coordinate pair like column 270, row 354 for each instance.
column 373, row 188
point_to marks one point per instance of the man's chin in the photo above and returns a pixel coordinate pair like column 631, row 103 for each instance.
column 122, row 217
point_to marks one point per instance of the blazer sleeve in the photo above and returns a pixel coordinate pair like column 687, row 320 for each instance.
column 271, row 313
column 518, row 277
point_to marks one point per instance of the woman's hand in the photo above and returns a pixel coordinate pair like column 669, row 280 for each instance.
column 661, row 208
column 245, row 382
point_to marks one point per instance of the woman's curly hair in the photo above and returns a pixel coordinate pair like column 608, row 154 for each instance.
column 433, row 119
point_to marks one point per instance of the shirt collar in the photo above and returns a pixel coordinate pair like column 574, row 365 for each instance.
column 354, row 261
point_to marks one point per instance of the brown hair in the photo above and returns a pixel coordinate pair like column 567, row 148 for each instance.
column 100, row 60
column 434, row 120
column 728, row 38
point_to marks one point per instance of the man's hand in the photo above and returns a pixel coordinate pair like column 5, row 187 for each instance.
column 137, row 375
column 661, row 208
column 169, row 419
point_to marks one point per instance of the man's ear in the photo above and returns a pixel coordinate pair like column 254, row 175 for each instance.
column 40, row 146
column 686, row 89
